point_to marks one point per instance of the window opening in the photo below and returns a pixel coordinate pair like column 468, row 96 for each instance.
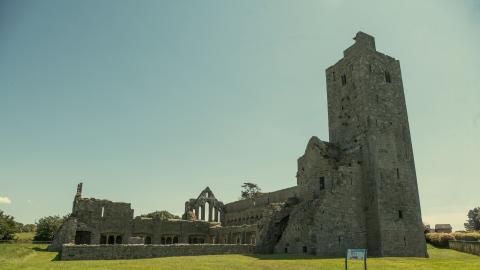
column 388, row 79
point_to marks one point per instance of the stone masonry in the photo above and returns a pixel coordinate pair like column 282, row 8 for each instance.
column 359, row 190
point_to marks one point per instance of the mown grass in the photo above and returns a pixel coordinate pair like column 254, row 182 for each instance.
column 34, row 256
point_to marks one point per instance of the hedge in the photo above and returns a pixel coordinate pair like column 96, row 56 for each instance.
column 441, row 239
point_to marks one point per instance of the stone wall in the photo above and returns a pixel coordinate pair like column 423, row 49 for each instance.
column 244, row 234
column 117, row 252
column 249, row 211
column 465, row 246
column 184, row 231
column 333, row 220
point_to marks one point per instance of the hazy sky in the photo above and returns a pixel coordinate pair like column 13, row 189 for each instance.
column 149, row 102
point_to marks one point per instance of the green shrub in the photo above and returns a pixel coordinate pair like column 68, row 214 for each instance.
column 8, row 227
column 439, row 239
column 47, row 227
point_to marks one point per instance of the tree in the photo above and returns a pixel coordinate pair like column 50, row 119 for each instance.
column 473, row 222
column 8, row 226
column 28, row 228
column 47, row 227
column 18, row 227
column 162, row 215
column 250, row 191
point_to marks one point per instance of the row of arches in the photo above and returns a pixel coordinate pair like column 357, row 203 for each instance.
column 169, row 240
column 111, row 239
column 239, row 238
column 243, row 220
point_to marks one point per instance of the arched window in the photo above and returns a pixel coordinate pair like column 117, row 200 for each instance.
column 207, row 212
column 118, row 240
column 169, row 240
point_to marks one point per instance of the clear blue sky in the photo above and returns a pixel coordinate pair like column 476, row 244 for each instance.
column 148, row 102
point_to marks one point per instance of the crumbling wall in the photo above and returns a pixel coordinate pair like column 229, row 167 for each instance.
column 330, row 224
column 103, row 218
column 250, row 211
column 331, row 218
column 64, row 235
column 272, row 227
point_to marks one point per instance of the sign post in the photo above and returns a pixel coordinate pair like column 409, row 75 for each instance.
column 356, row 254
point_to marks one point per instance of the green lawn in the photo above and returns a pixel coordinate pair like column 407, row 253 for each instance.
column 31, row 256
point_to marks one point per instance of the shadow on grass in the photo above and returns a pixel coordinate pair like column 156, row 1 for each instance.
column 289, row 257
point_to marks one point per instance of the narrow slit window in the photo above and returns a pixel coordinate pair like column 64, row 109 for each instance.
column 344, row 79
column 400, row 214
column 322, row 183
column 398, row 173
column 333, row 75
column 388, row 79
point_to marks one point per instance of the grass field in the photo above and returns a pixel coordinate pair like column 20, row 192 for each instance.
column 32, row 256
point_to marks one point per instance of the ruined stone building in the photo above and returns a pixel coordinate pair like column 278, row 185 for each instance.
column 359, row 190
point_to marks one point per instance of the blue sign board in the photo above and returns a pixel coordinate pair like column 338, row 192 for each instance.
column 356, row 254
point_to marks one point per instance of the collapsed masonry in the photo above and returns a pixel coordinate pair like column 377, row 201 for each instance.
column 357, row 191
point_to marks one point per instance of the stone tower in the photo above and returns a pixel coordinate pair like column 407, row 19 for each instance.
column 368, row 119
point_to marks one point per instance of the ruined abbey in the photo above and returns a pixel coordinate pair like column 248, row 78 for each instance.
column 359, row 190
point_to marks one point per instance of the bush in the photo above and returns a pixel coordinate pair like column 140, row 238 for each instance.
column 439, row 239
column 8, row 227
column 47, row 227
column 467, row 236
column 28, row 228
